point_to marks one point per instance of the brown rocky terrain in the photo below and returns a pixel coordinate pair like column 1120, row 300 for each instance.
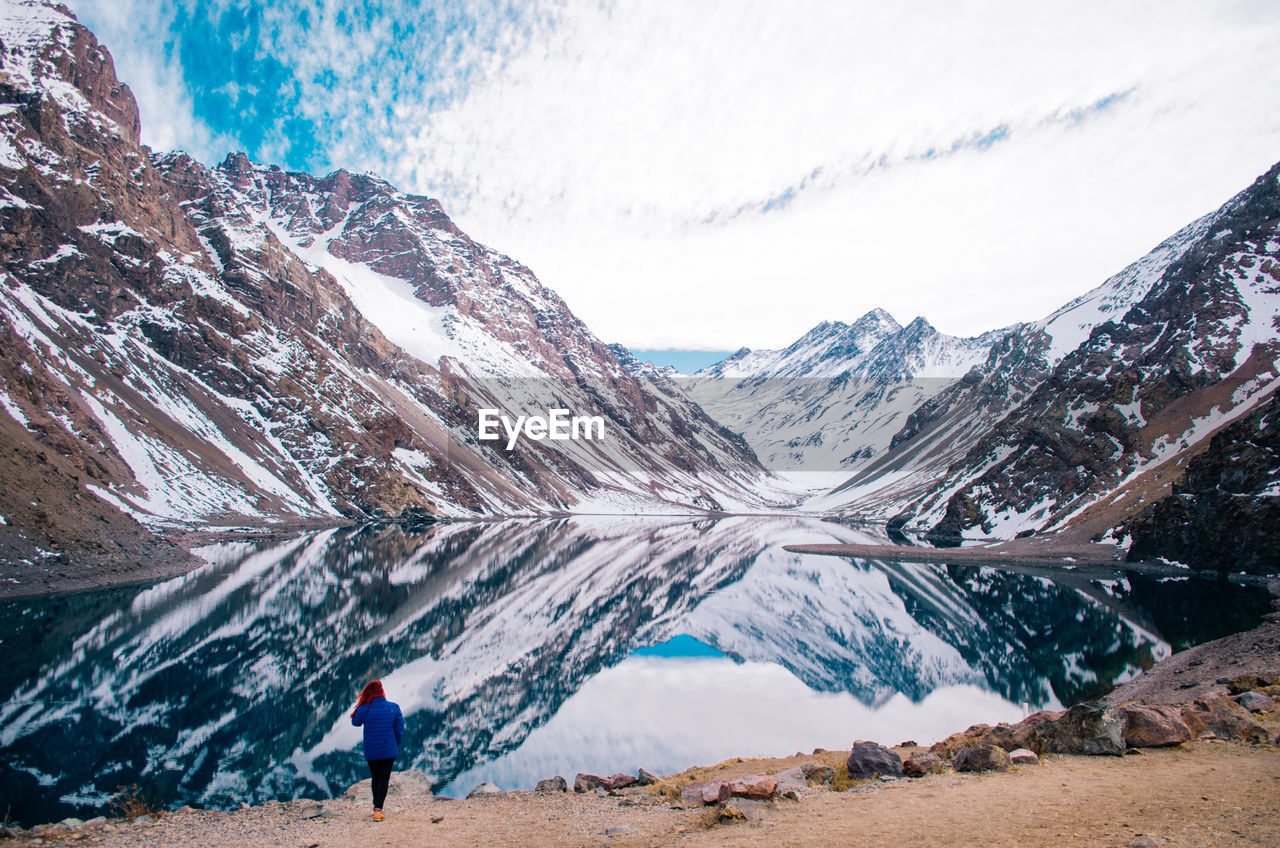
column 1224, row 511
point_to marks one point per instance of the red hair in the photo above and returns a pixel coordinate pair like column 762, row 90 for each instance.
column 373, row 689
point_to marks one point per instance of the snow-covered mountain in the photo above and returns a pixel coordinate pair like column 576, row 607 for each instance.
column 939, row 432
column 184, row 343
column 831, row 403
column 1192, row 347
column 1078, row 421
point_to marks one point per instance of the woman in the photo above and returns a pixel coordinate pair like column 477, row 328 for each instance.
column 383, row 729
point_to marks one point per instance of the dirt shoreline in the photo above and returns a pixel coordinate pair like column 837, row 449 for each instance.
column 1203, row 793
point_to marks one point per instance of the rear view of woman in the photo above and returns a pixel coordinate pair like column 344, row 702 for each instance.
column 383, row 729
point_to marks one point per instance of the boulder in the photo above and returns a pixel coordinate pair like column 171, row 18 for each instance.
column 315, row 811
column 1011, row 737
column 1024, row 757
column 644, row 777
column 1154, row 726
column 921, row 763
column 404, row 785
column 483, row 789
column 621, row 781
column 759, row 787
column 868, row 760
column 1255, row 702
column 714, row 792
column 792, row 780
column 1024, row 734
column 818, row 775
column 552, row 784
column 981, row 758
column 1089, row 728
column 1223, row 717
column 590, row 783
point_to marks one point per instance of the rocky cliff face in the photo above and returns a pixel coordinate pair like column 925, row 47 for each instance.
column 194, row 344
column 1115, row 422
column 1225, row 512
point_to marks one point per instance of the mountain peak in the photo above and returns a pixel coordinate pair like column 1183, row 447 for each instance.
column 920, row 327
column 877, row 316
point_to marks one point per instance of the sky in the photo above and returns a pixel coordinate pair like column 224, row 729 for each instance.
column 711, row 175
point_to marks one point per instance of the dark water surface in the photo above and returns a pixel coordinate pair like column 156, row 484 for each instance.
column 523, row 649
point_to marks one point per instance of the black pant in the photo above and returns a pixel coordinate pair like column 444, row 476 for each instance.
column 380, row 771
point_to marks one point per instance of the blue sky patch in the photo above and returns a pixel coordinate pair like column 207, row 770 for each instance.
column 679, row 647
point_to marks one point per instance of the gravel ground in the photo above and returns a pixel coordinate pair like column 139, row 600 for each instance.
column 1206, row 793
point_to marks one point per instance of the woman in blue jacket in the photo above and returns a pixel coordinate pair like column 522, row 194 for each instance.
column 383, row 729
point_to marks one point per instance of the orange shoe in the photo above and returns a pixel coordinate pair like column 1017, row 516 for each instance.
column 378, row 816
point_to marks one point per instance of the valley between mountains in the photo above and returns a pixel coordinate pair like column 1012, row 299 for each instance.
column 188, row 348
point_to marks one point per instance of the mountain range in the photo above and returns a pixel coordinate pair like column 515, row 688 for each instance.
column 187, row 346
column 1143, row 412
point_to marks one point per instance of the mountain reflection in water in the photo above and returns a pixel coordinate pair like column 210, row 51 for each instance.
column 508, row 645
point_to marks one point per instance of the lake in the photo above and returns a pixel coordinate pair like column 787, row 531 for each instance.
column 522, row 649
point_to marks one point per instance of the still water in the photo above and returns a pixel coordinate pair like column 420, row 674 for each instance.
column 523, row 649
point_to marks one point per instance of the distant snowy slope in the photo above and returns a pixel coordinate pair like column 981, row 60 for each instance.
column 832, row 402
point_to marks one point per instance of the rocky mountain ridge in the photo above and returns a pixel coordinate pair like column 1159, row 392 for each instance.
column 1075, row 423
column 831, row 402
column 1115, row 422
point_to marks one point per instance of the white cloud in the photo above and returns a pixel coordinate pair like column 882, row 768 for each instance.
column 713, row 174
column 137, row 32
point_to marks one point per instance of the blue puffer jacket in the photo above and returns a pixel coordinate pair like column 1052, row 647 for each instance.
column 383, row 728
